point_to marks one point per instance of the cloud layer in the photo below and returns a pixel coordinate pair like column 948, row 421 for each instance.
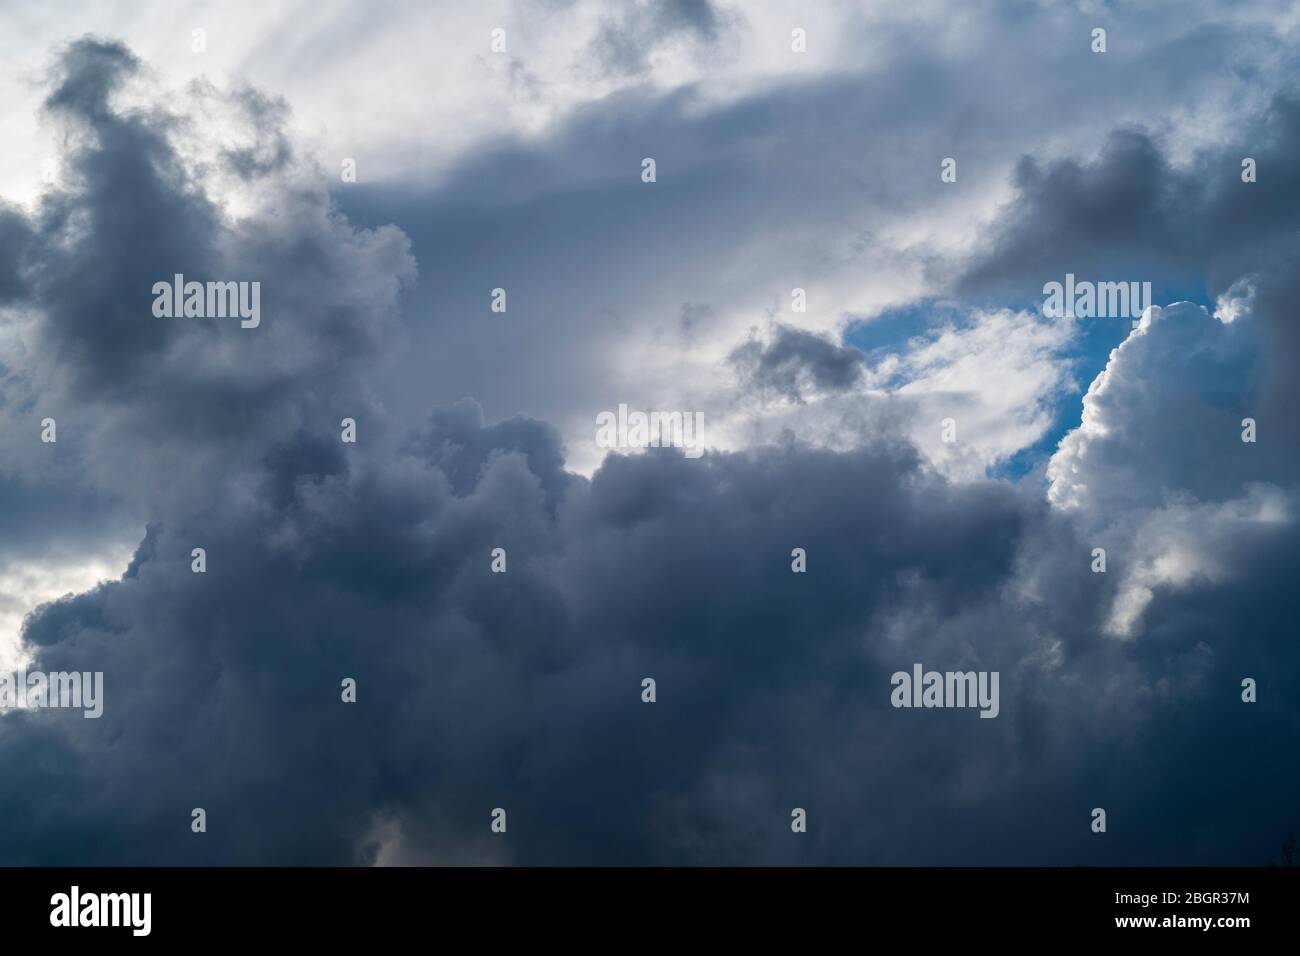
column 522, row 690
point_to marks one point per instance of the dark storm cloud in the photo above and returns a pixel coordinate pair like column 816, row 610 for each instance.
column 796, row 360
column 105, row 242
column 1130, row 212
column 134, row 213
column 1208, row 639
column 522, row 690
column 1275, row 292
column 459, row 443
column 478, row 690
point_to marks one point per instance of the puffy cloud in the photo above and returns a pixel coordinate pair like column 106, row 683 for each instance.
column 1159, row 465
column 141, row 204
column 1163, row 421
column 795, row 361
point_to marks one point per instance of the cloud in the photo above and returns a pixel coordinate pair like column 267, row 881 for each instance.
column 1164, row 419
column 522, row 690
column 1132, row 212
column 627, row 39
column 795, row 361
column 142, row 204
column 487, row 684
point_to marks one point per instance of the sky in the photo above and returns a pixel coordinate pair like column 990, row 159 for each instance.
column 839, row 268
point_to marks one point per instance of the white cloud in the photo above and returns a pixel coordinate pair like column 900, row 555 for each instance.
column 1157, row 471
column 26, row 583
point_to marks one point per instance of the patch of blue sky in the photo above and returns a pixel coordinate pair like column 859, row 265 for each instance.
column 896, row 331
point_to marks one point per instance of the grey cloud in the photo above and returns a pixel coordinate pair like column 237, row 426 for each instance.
column 795, row 361
column 1130, row 212
column 522, row 690
column 460, row 444
column 135, row 214
column 628, row 37
column 272, row 151
column 15, row 234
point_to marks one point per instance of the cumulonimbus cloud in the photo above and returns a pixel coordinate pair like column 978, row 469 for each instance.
column 522, row 690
